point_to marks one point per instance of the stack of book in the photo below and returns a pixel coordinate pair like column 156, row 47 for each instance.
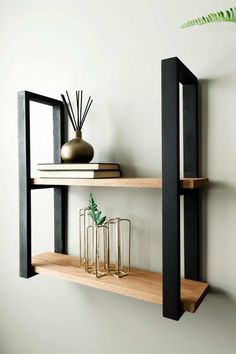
column 79, row 170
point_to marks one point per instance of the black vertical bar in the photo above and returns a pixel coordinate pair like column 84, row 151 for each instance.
column 190, row 126
column 171, row 189
column 24, row 99
column 59, row 192
column 24, row 185
column 191, row 235
column 191, row 198
column 59, row 220
column 58, row 132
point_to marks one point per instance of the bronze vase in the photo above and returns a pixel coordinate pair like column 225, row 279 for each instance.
column 77, row 150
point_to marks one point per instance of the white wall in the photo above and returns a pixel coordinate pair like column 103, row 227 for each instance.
column 112, row 49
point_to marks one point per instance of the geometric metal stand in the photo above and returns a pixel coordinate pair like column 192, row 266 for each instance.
column 175, row 72
column 25, row 187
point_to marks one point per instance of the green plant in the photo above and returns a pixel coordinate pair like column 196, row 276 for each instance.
column 220, row 16
column 95, row 214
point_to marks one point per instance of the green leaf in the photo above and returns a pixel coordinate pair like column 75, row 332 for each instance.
column 220, row 16
column 101, row 220
column 95, row 214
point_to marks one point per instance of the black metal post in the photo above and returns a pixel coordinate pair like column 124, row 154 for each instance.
column 191, row 198
column 173, row 73
column 59, row 192
column 25, row 185
column 171, row 189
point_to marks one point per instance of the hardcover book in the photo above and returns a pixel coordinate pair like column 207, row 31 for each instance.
column 77, row 166
column 79, row 174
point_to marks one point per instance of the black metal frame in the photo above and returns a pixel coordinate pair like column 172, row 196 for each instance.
column 175, row 72
column 25, row 185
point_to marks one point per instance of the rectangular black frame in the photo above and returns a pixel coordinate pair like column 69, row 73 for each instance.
column 25, row 186
column 175, row 72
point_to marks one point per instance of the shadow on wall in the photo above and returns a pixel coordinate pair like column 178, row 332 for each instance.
column 220, row 195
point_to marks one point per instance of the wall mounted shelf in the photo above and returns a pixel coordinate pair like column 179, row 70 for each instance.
column 167, row 288
column 185, row 183
column 141, row 284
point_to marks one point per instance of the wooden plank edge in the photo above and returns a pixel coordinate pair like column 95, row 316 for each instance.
column 186, row 183
column 193, row 183
column 192, row 307
column 100, row 182
column 112, row 288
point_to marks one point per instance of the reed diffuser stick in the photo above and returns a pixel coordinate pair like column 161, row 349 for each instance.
column 77, row 100
column 81, row 106
column 86, row 108
column 68, row 97
column 85, row 115
column 78, row 121
column 68, row 111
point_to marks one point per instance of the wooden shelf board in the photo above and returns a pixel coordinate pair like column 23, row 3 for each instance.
column 140, row 284
column 186, row 183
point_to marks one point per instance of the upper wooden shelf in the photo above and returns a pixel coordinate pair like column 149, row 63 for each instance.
column 186, row 183
column 140, row 284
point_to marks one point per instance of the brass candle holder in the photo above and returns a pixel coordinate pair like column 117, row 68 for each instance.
column 119, row 246
column 84, row 222
column 97, row 260
column 104, row 248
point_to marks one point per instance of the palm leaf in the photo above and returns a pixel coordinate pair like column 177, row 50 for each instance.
column 220, row 16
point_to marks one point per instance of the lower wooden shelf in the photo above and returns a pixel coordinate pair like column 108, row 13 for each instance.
column 140, row 284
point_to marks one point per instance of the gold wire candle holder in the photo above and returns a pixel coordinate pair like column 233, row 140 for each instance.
column 104, row 248
column 84, row 221
column 97, row 256
column 119, row 246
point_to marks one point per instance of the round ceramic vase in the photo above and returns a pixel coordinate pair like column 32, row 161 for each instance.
column 77, row 150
